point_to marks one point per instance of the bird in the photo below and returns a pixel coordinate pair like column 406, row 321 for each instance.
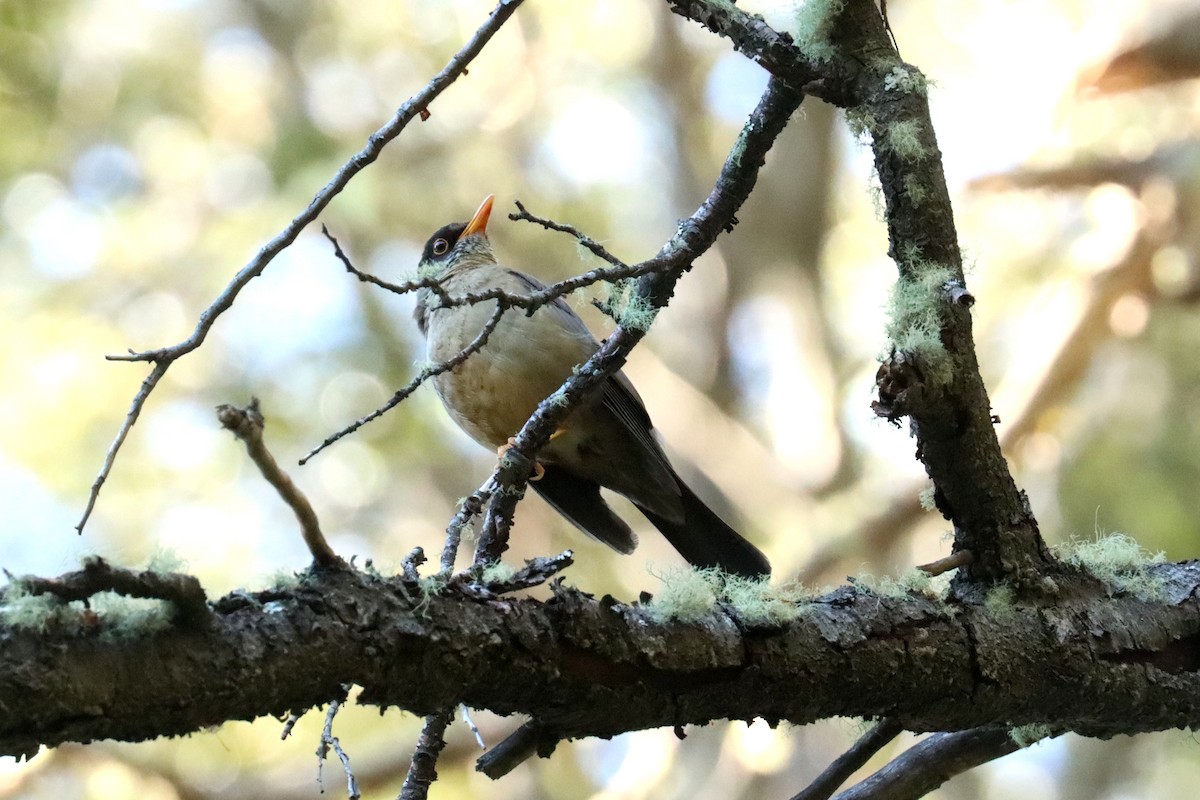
column 608, row 442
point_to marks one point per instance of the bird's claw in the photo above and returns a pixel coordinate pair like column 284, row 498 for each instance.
column 539, row 471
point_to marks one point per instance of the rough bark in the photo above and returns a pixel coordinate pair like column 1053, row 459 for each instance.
column 588, row 667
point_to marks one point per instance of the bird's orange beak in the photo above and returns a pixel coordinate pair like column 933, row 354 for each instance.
column 478, row 223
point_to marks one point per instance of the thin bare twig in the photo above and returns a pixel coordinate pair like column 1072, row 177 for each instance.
column 430, row 371
column 247, row 424
column 851, row 761
column 470, row 508
column 466, row 715
column 928, row 764
column 289, row 724
column 526, row 741
column 408, row 567
column 597, row 249
column 422, row 770
column 329, row 741
column 416, row 106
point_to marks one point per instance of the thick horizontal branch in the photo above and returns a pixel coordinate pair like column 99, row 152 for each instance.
column 586, row 667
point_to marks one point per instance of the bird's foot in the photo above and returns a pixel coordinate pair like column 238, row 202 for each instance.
column 538, row 470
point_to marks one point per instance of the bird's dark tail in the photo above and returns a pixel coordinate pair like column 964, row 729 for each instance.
column 705, row 540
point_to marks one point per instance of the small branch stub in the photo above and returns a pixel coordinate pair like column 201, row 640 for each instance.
column 247, row 424
column 184, row 592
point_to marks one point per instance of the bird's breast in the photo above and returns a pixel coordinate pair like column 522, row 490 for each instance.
column 495, row 390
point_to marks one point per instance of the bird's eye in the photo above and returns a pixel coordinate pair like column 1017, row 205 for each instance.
column 440, row 247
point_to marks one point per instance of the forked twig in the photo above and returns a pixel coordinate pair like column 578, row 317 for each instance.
column 416, row 106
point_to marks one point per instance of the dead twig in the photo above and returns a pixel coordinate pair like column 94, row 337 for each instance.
column 422, row 770
column 430, row 371
column 247, row 424
column 184, row 592
column 330, row 742
column 163, row 358
column 851, row 761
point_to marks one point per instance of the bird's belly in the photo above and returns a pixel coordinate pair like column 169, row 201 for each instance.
column 492, row 394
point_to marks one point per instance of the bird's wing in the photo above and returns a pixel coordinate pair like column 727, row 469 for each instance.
column 561, row 308
column 622, row 400
column 618, row 396
column 578, row 499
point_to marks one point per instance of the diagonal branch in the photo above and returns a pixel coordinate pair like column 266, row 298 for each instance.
column 694, row 236
column 930, row 763
column 416, row 106
column 932, row 375
column 851, row 761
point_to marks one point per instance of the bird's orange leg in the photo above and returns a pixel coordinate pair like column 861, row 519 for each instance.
column 538, row 470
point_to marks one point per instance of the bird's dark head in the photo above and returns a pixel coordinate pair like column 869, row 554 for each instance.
column 453, row 248
column 459, row 244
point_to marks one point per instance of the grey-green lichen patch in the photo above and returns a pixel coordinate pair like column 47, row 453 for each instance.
column 1025, row 735
column 926, row 498
column 813, row 21
column 1118, row 561
column 999, row 601
column 914, row 581
column 906, row 80
column 915, row 315
column 690, row 594
column 496, row 572
column 629, row 307
column 687, row 594
column 758, row 602
column 903, row 137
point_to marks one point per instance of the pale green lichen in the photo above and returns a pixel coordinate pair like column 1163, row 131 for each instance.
column 998, row 602
column 813, row 21
column 861, row 123
column 914, row 189
column 914, row 581
column 19, row 608
column 903, row 138
column 130, row 617
column 628, row 307
column 759, row 603
column 687, row 594
column 906, row 80
column 429, row 586
column 164, row 560
column 432, row 585
column 926, row 498
column 283, row 580
column 690, row 594
column 914, row 320
column 1118, row 561
column 107, row 613
column 586, row 255
column 1025, row 735
column 496, row 572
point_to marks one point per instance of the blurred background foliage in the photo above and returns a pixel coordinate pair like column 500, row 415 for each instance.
column 151, row 146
